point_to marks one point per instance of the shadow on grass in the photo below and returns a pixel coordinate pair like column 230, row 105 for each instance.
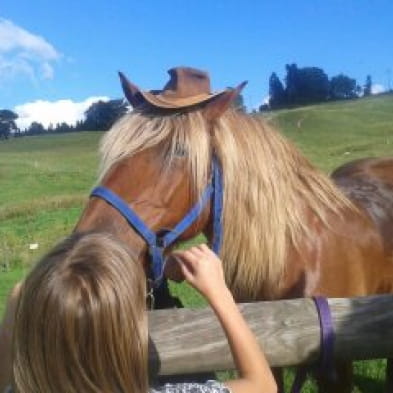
column 368, row 385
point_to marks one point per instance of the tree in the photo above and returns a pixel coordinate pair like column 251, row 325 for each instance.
column 35, row 128
column 63, row 127
column 102, row 115
column 312, row 85
column 367, row 86
column 264, row 107
column 50, row 129
column 291, row 83
column 306, row 85
column 342, row 87
column 7, row 123
column 277, row 96
column 79, row 126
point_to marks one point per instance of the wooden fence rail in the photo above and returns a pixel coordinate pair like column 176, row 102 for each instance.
column 191, row 341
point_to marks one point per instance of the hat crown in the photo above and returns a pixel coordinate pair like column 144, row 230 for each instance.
column 186, row 82
column 187, row 87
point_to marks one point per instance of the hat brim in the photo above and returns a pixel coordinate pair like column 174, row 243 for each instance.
column 166, row 102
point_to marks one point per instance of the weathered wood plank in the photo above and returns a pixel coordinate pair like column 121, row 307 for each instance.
column 189, row 341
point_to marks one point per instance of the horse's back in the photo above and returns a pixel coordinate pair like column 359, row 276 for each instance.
column 377, row 168
column 369, row 184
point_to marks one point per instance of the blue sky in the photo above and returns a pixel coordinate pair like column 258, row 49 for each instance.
column 65, row 53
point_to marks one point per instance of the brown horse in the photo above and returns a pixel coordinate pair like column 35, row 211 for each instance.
column 289, row 230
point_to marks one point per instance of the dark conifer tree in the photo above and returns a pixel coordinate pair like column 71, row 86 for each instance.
column 342, row 87
column 277, row 96
column 367, row 86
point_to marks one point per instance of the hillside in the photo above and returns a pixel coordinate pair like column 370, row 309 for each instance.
column 330, row 134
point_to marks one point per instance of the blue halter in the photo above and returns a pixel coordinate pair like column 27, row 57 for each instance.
column 157, row 244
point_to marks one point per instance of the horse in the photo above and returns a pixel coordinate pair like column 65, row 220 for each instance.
column 289, row 230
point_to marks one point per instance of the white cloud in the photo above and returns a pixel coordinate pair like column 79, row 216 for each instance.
column 47, row 112
column 22, row 52
column 377, row 88
column 9, row 68
column 47, row 71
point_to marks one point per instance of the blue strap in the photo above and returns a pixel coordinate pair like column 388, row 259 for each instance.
column 131, row 217
column 156, row 250
column 157, row 258
column 189, row 218
column 218, row 202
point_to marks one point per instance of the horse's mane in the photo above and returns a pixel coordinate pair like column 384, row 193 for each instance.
column 268, row 186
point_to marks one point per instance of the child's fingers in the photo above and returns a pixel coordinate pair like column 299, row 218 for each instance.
column 206, row 251
column 184, row 254
column 188, row 258
column 204, row 247
column 201, row 251
column 185, row 269
column 193, row 250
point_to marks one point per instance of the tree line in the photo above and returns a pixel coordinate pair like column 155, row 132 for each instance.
column 100, row 116
column 301, row 86
column 311, row 85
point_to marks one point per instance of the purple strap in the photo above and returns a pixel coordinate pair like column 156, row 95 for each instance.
column 325, row 363
column 327, row 333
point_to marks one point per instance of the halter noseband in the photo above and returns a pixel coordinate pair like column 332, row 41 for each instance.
column 156, row 243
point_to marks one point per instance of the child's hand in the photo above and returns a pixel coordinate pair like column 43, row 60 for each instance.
column 202, row 269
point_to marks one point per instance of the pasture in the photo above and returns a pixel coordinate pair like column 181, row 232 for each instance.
column 45, row 180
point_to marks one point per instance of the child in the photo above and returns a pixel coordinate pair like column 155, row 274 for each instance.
column 79, row 323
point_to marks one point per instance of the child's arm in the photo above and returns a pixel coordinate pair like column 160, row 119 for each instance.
column 203, row 270
column 6, row 329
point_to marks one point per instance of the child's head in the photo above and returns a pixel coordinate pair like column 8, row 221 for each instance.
column 81, row 323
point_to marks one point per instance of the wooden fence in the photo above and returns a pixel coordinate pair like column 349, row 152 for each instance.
column 191, row 341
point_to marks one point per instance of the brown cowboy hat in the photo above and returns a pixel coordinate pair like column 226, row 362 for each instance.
column 187, row 87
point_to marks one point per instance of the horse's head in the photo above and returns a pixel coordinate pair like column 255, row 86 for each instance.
column 157, row 165
column 158, row 192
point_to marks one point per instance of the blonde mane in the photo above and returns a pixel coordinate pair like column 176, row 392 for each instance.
column 268, row 186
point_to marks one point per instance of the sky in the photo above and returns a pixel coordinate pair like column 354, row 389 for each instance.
column 58, row 57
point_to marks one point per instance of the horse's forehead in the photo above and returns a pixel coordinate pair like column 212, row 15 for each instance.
column 132, row 164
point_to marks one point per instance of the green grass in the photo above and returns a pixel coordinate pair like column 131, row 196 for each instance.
column 45, row 181
column 334, row 133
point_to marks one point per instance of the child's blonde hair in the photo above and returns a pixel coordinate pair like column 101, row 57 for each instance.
column 81, row 324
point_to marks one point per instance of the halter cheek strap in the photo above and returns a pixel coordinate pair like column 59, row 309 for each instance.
column 157, row 244
column 218, row 205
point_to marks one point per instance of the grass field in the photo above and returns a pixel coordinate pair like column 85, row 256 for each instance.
column 45, row 181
